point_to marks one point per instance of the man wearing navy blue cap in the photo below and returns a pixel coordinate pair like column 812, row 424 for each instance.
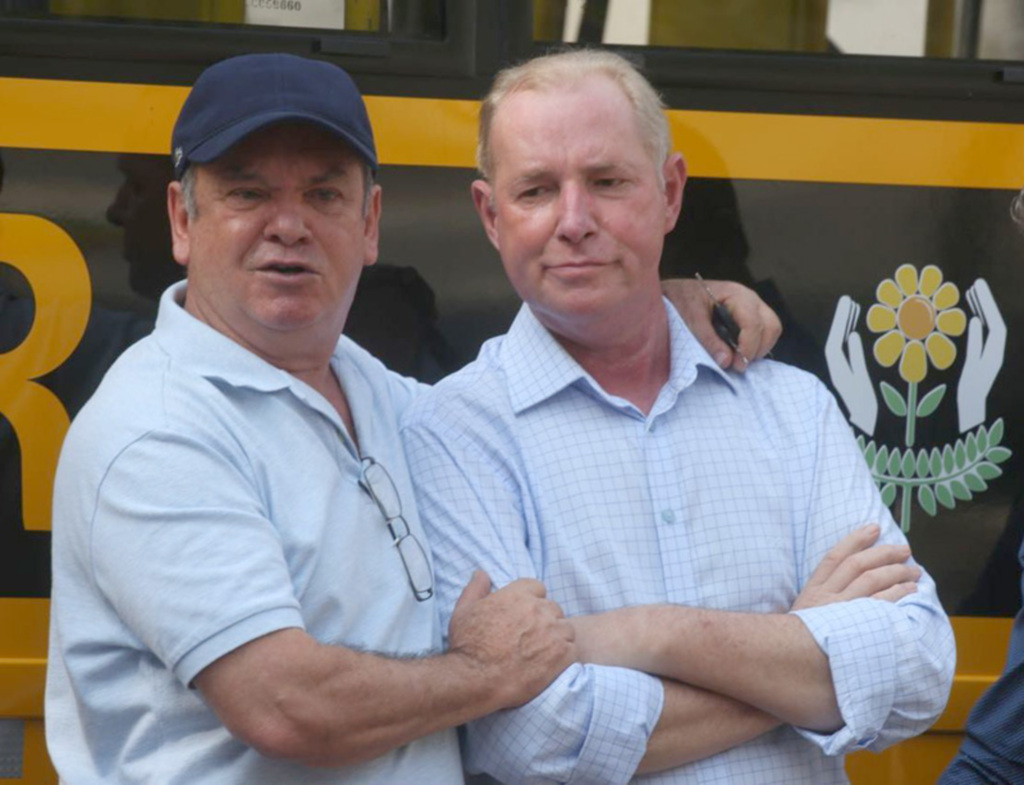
column 234, row 535
column 241, row 587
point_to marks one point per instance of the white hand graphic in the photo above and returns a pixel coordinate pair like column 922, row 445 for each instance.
column 984, row 357
column 850, row 377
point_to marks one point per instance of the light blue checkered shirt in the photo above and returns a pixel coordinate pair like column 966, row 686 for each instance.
column 726, row 496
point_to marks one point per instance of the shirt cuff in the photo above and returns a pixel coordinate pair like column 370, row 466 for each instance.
column 856, row 636
column 627, row 706
column 590, row 725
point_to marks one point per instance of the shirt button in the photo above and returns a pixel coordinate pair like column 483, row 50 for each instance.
column 668, row 516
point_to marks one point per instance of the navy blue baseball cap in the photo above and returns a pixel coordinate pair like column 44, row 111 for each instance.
column 235, row 97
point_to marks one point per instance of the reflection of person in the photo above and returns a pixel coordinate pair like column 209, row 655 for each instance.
column 140, row 209
column 992, row 752
column 233, row 511
column 394, row 317
column 679, row 514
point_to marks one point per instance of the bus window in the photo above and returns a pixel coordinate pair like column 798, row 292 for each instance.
column 967, row 29
column 405, row 18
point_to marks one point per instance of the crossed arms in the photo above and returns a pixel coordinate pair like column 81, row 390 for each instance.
column 854, row 657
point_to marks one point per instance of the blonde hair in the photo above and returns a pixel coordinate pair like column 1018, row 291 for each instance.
column 563, row 69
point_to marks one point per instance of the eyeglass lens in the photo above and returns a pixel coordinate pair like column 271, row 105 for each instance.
column 382, row 488
column 378, row 483
column 416, row 566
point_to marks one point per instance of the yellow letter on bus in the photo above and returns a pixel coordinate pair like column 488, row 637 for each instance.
column 56, row 271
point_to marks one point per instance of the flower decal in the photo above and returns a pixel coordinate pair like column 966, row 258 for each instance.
column 917, row 316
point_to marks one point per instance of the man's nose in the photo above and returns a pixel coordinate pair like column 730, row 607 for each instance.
column 576, row 219
column 286, row 222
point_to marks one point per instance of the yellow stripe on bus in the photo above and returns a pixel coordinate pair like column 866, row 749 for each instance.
column 103, row 117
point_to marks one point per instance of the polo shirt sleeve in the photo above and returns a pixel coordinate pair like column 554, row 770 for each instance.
column 892, row 663
column 592, row 723
column 200, row 527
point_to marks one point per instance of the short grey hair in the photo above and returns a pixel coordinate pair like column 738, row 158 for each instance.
column 188, row 189
column 562, row 69
column 188, row 192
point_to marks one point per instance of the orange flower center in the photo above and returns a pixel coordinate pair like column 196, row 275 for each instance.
column 916, row 317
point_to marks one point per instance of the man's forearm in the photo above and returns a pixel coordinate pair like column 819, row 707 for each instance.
column 289, row 696
column 696, row 724
column 769, row 661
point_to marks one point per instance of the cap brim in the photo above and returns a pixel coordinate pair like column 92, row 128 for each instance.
column 219, row 143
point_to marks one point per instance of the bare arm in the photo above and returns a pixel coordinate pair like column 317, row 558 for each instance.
column 769, row 661
column 696, row 724
column 760, row 328
column 289, row 696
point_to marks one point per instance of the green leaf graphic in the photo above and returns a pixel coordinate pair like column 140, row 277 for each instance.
column 881, row 459
column 982, row 439
column 998, row 454
column 995, row 433
column 888, row 494
column 931, row 401
column 972, row 447
column 936, row 462
column 908, row 464
column 894, row 462
column 960, row 490
column 974, row 482
column 960, row 453
column 945, row 497
column 894, row 400
column 922, row 463
column 988, row 471
column 926, row 498
column 869, row 453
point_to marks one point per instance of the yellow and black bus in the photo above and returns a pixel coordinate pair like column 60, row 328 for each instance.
column 858, row 173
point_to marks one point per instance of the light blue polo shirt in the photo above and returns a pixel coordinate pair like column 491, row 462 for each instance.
column 205, row 498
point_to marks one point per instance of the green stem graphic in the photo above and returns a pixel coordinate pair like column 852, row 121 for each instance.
column 911, row 412
column 905, row 508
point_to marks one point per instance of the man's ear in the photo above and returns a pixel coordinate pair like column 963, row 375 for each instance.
column 178, row 217
column 483, row 201
column 674, row 172
column 371, row 227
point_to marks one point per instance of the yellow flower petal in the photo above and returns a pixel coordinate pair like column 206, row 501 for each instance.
column 888, row 293
column 931, row 277
column 952, row 322
column 881, row 319
column 947, row 296
column 914, row 364
column 941, row 351
column 906, row 279
column 888, row 348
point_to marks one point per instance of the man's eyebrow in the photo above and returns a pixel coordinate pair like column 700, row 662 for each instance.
column 531, row 175
column 332, row 172
column 234, row 172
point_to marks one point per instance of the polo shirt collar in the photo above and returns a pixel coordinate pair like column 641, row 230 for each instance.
column 210, row 353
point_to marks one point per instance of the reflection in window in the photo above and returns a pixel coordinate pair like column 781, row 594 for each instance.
column 991, row 29
column 405, row 18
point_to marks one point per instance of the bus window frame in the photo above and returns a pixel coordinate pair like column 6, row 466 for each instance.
column 820, row 83
column 467, row 47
